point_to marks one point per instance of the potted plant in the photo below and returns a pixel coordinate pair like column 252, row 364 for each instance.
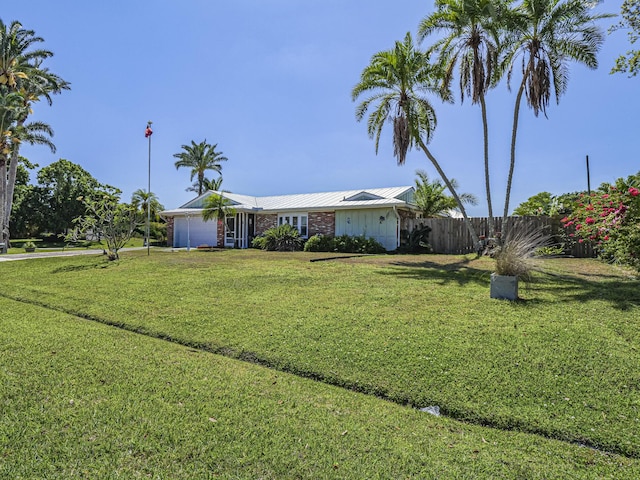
column 515, row 261
column 29, row 247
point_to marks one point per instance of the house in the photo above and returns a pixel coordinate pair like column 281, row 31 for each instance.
column 380, row 213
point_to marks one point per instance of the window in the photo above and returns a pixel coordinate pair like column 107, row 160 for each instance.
column 299, row 221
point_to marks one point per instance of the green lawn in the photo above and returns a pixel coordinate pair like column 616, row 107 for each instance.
column 417, row 330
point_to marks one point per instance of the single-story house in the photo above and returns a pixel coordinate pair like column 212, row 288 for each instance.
column 380, row 213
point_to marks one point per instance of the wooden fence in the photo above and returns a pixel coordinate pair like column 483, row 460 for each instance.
column 451, row 236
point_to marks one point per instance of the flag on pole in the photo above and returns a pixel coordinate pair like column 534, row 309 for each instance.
column 148, row 132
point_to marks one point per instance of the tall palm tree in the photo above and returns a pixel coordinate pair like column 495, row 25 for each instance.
column 432, row 200
column 398, row 81
column 470, row 43
column 200, row 157
column 21, row 74
column 544, row 36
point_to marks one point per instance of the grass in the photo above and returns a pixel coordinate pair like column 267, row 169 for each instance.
column 64, row 246
column 418, row 330
column 84, row 400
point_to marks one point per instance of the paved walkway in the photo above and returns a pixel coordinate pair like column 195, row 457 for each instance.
column 58, row 253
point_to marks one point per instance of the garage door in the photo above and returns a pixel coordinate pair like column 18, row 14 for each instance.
column 194, row 231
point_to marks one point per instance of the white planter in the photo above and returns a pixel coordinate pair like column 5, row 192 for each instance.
column 504, row 287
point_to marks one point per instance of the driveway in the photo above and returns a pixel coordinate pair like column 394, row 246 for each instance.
column 60, row 253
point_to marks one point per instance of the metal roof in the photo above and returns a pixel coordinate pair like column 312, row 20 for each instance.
column 371, row 198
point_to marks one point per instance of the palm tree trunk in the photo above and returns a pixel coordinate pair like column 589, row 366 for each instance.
column 514, row 132
column 445, row 179
column 11, row 184
column 485, row 126
column 4, row 227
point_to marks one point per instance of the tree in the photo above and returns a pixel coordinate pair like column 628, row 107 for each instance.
column 430, row 196
column 207, row 185
column 23, row 80
column 200, row 157
column 630, row 62
column 398, row 80
column 106, row 218
column 216, row 207
column 66, row 185
column 140, row 198
column 544, row 35
column 470, row 44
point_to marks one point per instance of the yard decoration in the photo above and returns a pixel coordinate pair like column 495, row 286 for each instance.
column 515, row 261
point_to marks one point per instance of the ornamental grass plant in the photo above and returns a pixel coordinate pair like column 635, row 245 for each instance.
column 517, row 256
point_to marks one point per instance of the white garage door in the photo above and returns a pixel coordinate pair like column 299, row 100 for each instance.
column 380, row 224
column 195, row 232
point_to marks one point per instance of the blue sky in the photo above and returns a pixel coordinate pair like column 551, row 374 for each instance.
column 270, row 82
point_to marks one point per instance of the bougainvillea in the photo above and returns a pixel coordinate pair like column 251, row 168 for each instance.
column 610, row 219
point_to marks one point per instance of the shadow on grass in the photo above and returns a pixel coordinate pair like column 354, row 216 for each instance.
column 459, row 272
column 619, row 293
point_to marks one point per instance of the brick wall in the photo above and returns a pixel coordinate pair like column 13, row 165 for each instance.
column 170, row 232
column 265, row 222
column 220, row 233
column 323, row 223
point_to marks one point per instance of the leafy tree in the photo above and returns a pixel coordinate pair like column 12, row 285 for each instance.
column 66, row 184
column 470, row 43
column 398, row 80
column 630, row 62
column 543, row 37
column 538, row 204
column 430, row 196
column 200, row 157
column 107, row 219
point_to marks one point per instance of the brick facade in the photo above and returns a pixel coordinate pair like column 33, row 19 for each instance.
column 170, row 232
column 323, row 223
column 265, row 222
column 220, row 233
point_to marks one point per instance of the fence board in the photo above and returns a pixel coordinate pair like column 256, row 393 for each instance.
column 451, row 236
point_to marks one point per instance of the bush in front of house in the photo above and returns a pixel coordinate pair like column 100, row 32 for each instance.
column 283, row 238
column 343, row 244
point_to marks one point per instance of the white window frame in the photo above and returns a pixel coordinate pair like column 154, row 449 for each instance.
column 299, row 220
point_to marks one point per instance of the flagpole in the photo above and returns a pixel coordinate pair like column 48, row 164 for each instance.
column 148, row 134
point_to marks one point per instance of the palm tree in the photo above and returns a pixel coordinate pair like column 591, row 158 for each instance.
column 430, row 196
column 22, row 75
column 200, row 157
column 141, row 198
column 217, row 207
column 471, row 44
column 398, row 81
column 207, row 185
column 544, row 35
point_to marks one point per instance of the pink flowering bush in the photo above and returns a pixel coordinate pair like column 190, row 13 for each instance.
column 610, row 220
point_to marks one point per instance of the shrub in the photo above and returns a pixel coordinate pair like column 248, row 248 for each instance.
column 343, row 244
column 610, row 220
column 283, row 238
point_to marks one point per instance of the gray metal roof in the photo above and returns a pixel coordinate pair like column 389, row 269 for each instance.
column 345, row 199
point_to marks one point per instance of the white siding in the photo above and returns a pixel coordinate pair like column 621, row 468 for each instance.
column 199, row 232
column 370, row 224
